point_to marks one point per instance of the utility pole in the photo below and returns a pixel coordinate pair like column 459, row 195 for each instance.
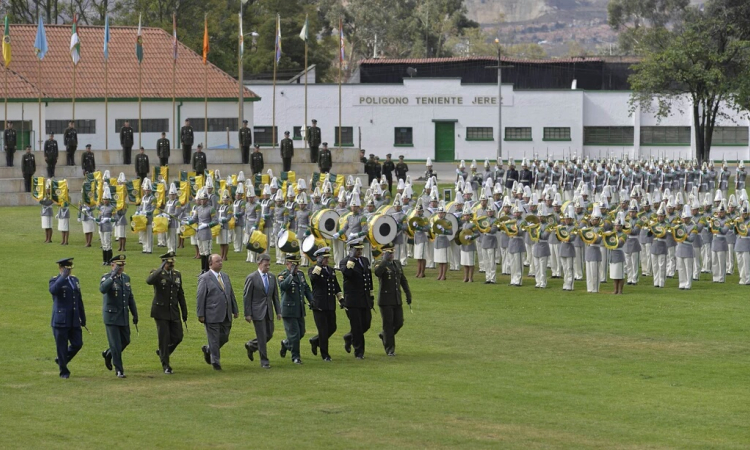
column 499, row 68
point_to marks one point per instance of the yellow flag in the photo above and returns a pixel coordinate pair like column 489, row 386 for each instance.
column 121, row 195
column 160, row 195
column 184, row 192
column 6, row 42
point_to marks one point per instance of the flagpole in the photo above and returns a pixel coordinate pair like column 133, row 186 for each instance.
column 240, row 102
column 174, row 76
column 273, row 109
column 6, row 98
column 74, row 92
column 140, row 129
column 39, row 77
column 205, row 108
column 341, row 62
column 106, row 106
column 305, row 72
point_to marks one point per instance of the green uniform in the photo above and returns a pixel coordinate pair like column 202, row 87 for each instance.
column 167, row 309
column 294, row 290
column 117, row 301
column 392, row 280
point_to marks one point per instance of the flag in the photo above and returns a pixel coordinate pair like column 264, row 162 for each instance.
column 40, row 43
column 75, row 43
column 88, row 192
column 120, row 195
column 37, row 188
column 341, row 40
column 303, row 33
column 59, row 191
column 174, row 36
column 106, row 37
column 139, row 42
column 205, row 39
column 242, row 39
column 160, row 173
column 184, row 196
column 278, row 38
column 161, row 195
column 6, row 42
column 134, row 191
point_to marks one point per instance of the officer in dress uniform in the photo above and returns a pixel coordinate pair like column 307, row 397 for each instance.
column 50, row 155
column 187, row 139
column 313, row 138
column 256, row 161
column 9, row 142
column 401, row 168
column 287, row 152
column 358, row 300
column 199, row 160
column 126, row 142
column 118, row 304
column 294, row 290
column 388, row 168
column 141, row 164
column 68, row 315
column 88, row 161
column 28, row 168
column 325, row 159
column 325, row 292
column 246, row 140
column 162, row 149
column 392, row 281
column 167, row 308
column 70, row 138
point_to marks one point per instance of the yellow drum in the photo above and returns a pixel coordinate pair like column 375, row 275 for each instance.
column 160, row 224
column 287, row 242
column 257, row 243
column 187, row 230
column 215, row 230
column 310, row 245
column 230, row 224
column 138, row 223
column 324, row 223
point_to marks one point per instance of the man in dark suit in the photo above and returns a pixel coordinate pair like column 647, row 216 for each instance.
column 392, row 280
column 50, row 155
column 199, row 161
column 388, row 169
column 28, row 168
column 358, row 300
column 313, row 138
column 126, row 141
column 287, row 152
column 9, row 140
column 256, row 160
column 169, row 302
column 186, row 139
column 163, row 149
column 68, row 315
column 70, row 139
column 246, row 140
column 294, row 289
column 325, row 290
column 88, row 161
column 216, row 306
column 261, row 299
column 141, row 164
column 118, row 299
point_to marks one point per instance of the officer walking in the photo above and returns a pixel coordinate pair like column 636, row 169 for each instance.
column 246, row 140
column 167, row 308
column 9, row 141
column 357, row 296
column 325, row 159
column 287, row 152
column 294, row 289
column 141, row 164
column 313, row 138
column 68, row 315
column 70, row 139
column 50, row 155
column 163, row 149
column 325, row 292
column 186, row 138
column 126, row 142
column 88, row 161
column 118, row 300
column 392, row 280
column 256, row 161
column 28, row 168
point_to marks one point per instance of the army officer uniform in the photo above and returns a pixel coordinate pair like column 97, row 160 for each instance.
column 294, row 289
column 392, row 280
column 167, row 308
column 117, row 301
column 68, row 315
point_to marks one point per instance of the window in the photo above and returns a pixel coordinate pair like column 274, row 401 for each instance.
column 730, row 136
column 263, row 135
column 149, row 125
column 479, row 134
column 665, row 135
column 556, row 134
column 214, row 124
column 403, row 137
column 608, row 135
column 518, row 134
column 297, row 133
column 347, row 137
column 83, row 126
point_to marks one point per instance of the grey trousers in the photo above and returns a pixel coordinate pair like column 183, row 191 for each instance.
column 263, row 334
column 218, row 335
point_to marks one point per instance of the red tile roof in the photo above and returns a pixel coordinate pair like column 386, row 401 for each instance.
column 57, row 66
column 474, row 58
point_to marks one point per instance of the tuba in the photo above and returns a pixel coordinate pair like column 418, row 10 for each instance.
column 483, row 224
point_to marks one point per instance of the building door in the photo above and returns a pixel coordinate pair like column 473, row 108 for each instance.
column 445, row 141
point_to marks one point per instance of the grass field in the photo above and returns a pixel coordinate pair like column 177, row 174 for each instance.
column 478, row 366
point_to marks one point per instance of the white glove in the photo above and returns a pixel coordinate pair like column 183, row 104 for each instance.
column 353, row 235
column 458, row 171
column 78, row 219
column 317, row 270
column 106, row 220
column 202, row 226
column 350, row 265
column 440, row 227
column 339, row 296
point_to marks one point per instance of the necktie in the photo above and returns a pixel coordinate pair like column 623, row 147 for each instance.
column 265, row 282
column 360, row 262
column 221, row 282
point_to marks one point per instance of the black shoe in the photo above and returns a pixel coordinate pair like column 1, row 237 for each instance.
column 283, row 350
column 297, row 361
column 391, row 354
column 380, row 335
column 120, row 375
column 314, row 344
column 360, row 357
column 327, row 359
column 158, row 353
column 206, row 354
column 265, row 366
column 249, row 351
column 57, row 361
column 168, row 370
column 107, row 359
column 64, row 376
column 216, row 366
column 348, row 345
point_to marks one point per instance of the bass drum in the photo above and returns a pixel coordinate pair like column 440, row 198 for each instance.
column 257, row 243
column 310, row 245
column 454, row 225
column 287, row 242
column 381, row 230
column 324, row 223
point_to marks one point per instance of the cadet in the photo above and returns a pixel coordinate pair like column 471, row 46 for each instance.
column 325, row 159
column 199, row 160
column 167, row 308
column 105, row 221
column 294, row 289
column 388, row 168
column 50, row 155
column 117, row 299
column 28, row 168
column 162, row 149
column 70, row 139
column 88, row 161
column 392, row 280
column 256, row 160
column 68, row 315
column 186, row 138
column 246, row 140
column 401, row 168
column 325, row 292
column 9, row 139
column 126, row 141
column 313, row 137
column 287, row 152
column 358, row 298
column 141, row 165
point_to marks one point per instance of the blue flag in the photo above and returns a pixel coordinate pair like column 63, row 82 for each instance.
column 40, row 44
column 106, row 37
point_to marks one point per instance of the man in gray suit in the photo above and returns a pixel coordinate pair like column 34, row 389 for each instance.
column 261, row 298
column 216, row 307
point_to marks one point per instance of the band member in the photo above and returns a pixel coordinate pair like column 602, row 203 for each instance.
column 63, row 221
column 168, row 308
column 173, row 209
column 302, row 221
column 294, row 289
column 685, row 251
column 442, row 244
column 541, row 253
column 421, row 241
column 742, row 247
column 203, row 215
column 239, row 205
column 516, row 246
column 325, row 292
column 593, row 254
column 659, row 248
column 261, row 300
column 257, row 216
column 617, row 256
column 118, row 305
column 392, row 281
column 633, row 247
column 68, row 315
column 105, row 221
column 719, row 247
column 216, row 307
column 567, row 249
column 280, row 212
column 146, row 208
column 87, row 222
column 223, row 216
column 358, row 300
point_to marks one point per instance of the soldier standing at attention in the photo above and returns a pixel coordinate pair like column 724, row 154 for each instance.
column 388, row 168
column 9, row 140
column 325, row 292
column 28, row 168
column 392, row 280
column 50, row 155
column 162, row 149
column 186, row 139
column 141, row 165
column 325, row 159
column 70, row 138
column 294, row 289
column 88, row 161
column 401, row 168
column 126, row 141
column 118, row 300
column 256, row 161
column 287, row 152
column 199, row 160
column 357, row 296
column 313, row 138
column 167, row 308
column 246, row 140
column 68, row 315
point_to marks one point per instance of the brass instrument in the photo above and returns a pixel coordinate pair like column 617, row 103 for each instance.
column 740, row 227
column 679, row 233
column 464, row 236
column 612, row 239
column 657, row 229
column 588, row 235
column 482, row 223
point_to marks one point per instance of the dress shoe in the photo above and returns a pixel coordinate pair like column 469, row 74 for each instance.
column 297, row 361
column 107, row 359
column 158, row 353
column 250, row 351
column 348, row 345
column 314, row 343
column 265, row 366
column 216, row 366
column 57, row 361
column 360, row 357
column 120, row 375
column 168, row 370
column 283, row 350
column 327, row 359
column 206, row 354
column 64, row 376
column 380, row 335
column 391, row 354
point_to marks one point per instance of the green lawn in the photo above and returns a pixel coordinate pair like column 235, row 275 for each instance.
column 478, row 366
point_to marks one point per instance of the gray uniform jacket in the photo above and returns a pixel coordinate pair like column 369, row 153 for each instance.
column 238, row 210
column 174, row 208
column 46, row 207
column 105, row 211
column 147, row 207
column 516, row 244
column 685, row 249
column 719, row 243
column 203, row 214
column 541, row 247
column 472, row 247
column 743, row 243
column 593, row 252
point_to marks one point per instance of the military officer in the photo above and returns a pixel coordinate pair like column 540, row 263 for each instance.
column 186, row 139
column 68, row 315
column 162, row 149
column 199, row 159
column 313, row 138
column 358, row 300
column 141, row 164
column 9, row 141
column 325, row 159
column 392, row 280
column 256, row 160
column 117, row 301
column 70, row 139
column 294, row 290
column 126, row 142
column 88, row 161
column 401, row 168
column 287, row 152
column 167, row 308
column 50, row 155
column 246, row 140
column 325, row 292
column 28, row 168
column 388, row 168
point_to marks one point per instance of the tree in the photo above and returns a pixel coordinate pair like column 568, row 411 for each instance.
column 633, row 18
column 525, row 51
